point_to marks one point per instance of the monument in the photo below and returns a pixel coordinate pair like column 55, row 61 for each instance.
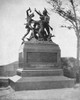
column 39, row 58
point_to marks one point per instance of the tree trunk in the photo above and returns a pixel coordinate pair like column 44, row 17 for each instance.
column 78, row 55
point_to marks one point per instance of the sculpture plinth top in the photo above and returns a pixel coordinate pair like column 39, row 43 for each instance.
column 40, row 30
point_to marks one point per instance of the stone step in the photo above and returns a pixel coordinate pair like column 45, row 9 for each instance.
column 40, row 83
column 43, row 65
column 39, row 72
column 4, row 81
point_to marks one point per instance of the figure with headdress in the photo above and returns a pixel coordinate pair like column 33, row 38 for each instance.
column 45, row 22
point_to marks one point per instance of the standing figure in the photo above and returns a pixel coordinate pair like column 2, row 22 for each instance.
column 45, row 21
column 29, row 21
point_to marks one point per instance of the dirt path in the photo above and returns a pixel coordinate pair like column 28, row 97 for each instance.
column 54, row 94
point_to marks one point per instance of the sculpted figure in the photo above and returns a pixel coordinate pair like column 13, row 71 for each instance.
column 44, row 21
column 41, row 28
column 34, row 33
column 29, row 21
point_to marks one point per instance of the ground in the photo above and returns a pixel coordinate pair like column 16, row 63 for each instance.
column 52, row 94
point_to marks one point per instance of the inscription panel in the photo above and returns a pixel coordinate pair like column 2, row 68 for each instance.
column 41, row 57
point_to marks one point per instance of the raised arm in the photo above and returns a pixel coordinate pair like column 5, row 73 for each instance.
column 38, row 12
column 27, row 11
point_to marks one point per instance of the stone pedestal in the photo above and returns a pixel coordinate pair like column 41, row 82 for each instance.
column 40, row 67
column 39, row 55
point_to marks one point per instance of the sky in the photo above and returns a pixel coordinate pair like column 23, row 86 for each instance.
column 12, row 29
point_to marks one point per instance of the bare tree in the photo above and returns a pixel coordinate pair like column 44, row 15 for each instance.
column 69, row 10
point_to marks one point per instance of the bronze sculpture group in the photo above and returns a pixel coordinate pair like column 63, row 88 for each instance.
column 40, row 29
